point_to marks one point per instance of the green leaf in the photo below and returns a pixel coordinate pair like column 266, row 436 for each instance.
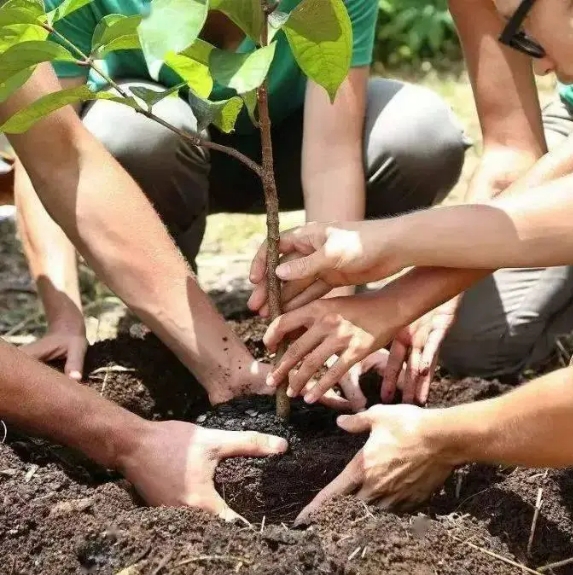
column 24, row 119
column 250, row 100
column 221, row 114
column 320, row 36
column 151, row 97
column 12, row 84
column 65, row 9
column 17, row 33
column 241, row 72
column 21, row 12
column 246, row 14
column 276, row 21
column 116, row 32
column 192, row 66
column 172, row 26
column 22, row 56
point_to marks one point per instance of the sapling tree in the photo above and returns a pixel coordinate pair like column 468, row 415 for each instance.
column 318, row 32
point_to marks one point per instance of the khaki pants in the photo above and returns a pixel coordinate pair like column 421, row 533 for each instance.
column 509, row 321
column 413, row 154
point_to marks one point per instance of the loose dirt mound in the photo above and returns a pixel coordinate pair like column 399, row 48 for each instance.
column 59, row 514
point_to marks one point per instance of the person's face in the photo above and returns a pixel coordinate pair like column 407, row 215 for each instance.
column 550, row 23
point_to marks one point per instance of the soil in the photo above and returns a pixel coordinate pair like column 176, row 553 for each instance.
column 59, row 514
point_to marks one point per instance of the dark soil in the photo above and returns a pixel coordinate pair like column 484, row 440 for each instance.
column 62, row 515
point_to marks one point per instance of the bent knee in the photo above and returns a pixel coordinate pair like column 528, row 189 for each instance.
column 413, row 130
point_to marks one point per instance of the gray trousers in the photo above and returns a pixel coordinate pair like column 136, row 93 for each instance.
column 509, row 321
column 413, row 154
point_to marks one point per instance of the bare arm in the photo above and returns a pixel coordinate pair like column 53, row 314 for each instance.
column 531, row 426
column 332, row 164
column 506, row 99
column 134, row 255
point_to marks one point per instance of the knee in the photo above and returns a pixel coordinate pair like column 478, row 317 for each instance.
column 476, row 348
column 416, row 137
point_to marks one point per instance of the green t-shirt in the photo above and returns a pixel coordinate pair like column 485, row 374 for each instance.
column 566, row 92
column 286, row 81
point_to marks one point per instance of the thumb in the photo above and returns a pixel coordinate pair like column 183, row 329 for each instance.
column 357, row 423
column 217, row 505
column 75, row 362
column 303, row 268
column 249, row 444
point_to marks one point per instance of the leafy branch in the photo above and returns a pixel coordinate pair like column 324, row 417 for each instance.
column 318, row 33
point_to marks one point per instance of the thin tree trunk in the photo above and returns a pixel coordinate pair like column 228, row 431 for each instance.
column 272, row 206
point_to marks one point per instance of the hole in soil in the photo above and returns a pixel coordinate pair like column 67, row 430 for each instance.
column 278, row 488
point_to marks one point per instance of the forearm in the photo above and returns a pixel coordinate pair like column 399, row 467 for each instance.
column 322, row 205
column 111, row 223
column 51, row 255
column 41, row 401
column 421, row 290
column 530, row 229
column 531, row 426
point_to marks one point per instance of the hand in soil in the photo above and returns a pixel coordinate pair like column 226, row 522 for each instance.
column 62, row 343
column 351, row 327
column 319, row 257
column 174, row 463
column 398, row 465
column 350, row 383
column 418, row 345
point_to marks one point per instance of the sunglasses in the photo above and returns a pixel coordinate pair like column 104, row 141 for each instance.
column 514, row 37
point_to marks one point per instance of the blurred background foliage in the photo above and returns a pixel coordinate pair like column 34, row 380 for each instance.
column 412, row 33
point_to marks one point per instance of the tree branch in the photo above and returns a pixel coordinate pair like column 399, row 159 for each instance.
column 195, row 139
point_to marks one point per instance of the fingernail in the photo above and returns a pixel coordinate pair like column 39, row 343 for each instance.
column 342, row 418
column 278, row 444
column 270, row 380
column 309, row 398
column 290, row 392
column 282, row 272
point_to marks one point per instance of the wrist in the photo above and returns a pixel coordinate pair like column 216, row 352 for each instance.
column 126, row 441
column 442, row 432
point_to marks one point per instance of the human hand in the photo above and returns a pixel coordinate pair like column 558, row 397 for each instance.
column 417, row 346
column 350, row 327
column 350, row 383
column 66, row 340
column 319, row 257
column 401, row 463
column 173, row 463
column 252, row 381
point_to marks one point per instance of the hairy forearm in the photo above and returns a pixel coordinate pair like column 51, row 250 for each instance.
column 51, row 255
column 115, row 228
column 531, row 426
column 531, row 229
column 37, row 399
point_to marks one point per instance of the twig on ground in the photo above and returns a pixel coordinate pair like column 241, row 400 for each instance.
column 538, row 505
column 495, row 555
column 354, row 553
column 564, row 358
column 225, row 558
column 104, row 383
column 263, row 523
column 5, row 431
column 555, row 565
column 112, row 369
column 162, row 563
column 30, row 473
